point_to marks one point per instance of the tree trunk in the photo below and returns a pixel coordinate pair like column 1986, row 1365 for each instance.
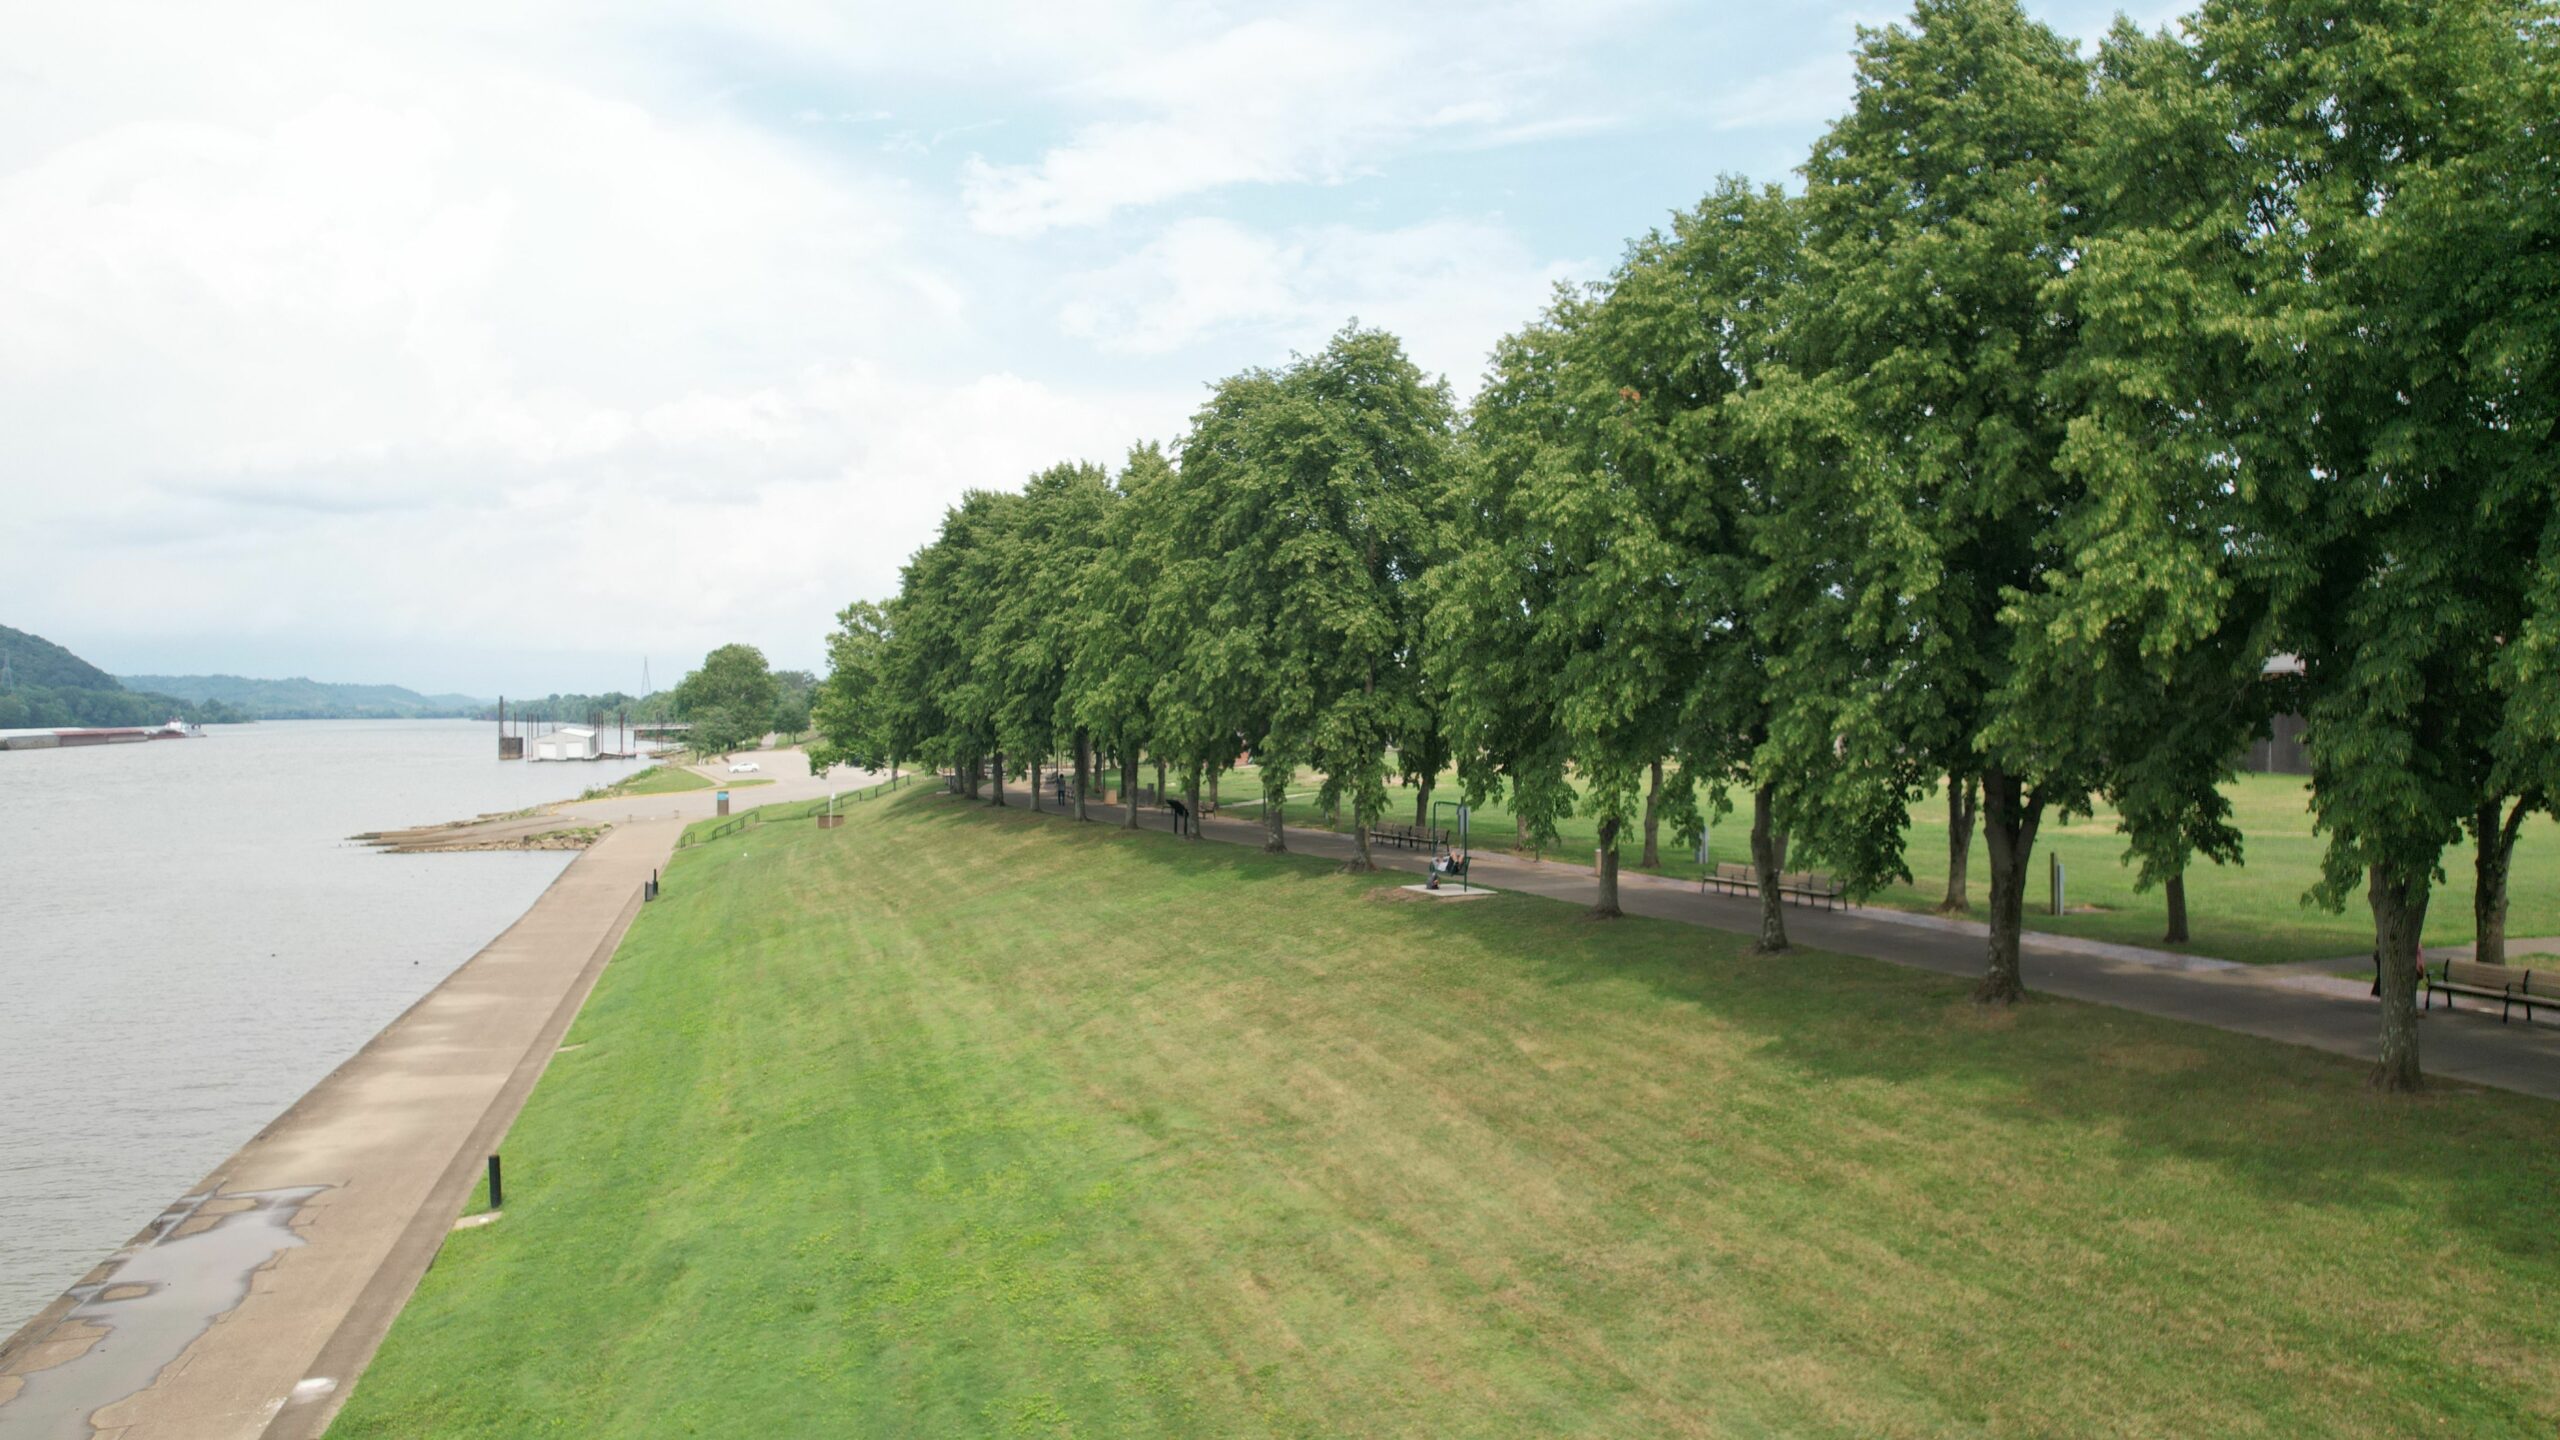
column 2177, row 894
column 2491, row 863
column 1275, row 800
column 1035, row 782
column 1084, row 769
column 1159, row 779
column 1605, row 905
column 1213, row 789
column 1191, row 797
column 1768, row 863
column 2399, row 916
column 1964, row 802
column 997, row 770
column 1361, row 862
column 1422, row 805
column 970, row 768
column 2009, row 823
column 1519, row 832
column 1652, row 859
column 1129, row 789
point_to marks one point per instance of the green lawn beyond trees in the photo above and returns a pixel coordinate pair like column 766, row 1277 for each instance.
column 957, row 1121
column 2252, row 911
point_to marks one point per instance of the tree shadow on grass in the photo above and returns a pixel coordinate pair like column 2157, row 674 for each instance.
column 2297, row 1126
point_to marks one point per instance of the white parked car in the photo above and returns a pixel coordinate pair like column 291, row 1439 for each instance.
column 743, row 767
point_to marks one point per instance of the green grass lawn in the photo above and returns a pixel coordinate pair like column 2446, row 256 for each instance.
column 656, row 780
column 957, row 1121
column 2252, row 911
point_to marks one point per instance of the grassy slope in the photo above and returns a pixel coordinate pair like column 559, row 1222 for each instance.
column 954, row 1122
column 656, row 780
column 2251, row 912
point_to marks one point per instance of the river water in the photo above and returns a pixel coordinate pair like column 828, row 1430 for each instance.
column 188, row 942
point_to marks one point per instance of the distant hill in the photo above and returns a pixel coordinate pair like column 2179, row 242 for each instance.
column 43, row 686
column 34, row 661
column 303, row 699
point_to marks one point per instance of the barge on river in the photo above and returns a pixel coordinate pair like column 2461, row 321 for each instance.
column 96, row 735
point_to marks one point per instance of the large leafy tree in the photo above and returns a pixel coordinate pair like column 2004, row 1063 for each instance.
column 1609, row 644
column 1111, row 677
column 1026, row 636
column 1940, row 212
column 945, row 704
column 2144, row 639
column 794, row 691
column 1310, row 489
column 851, row 708
column 729, row 701
column 1698, row 325
column 2397, row 463
column 2495, row 214
column 1205, row 664
column 1482, row 600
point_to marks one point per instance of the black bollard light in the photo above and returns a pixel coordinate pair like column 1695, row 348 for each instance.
column 497, row 1184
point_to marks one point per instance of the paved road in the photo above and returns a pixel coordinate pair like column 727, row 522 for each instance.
column 2341, row 1019
column 305, row 1244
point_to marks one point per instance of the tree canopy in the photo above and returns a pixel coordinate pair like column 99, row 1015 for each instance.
column 729, row 702
column 2081, row 413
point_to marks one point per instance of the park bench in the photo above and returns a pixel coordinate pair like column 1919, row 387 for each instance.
column 1804, row 887
column 1813, row 887
column 1730, row 879
column 2508, row 986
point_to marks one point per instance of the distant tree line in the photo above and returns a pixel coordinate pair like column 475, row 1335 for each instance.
column 39, row 707
column 2003, row 458
column 302, row 699
column 559, row 709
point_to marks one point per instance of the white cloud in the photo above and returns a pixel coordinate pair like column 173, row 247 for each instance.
column 1805, row 94
column 1320, row 95
column 379, row 331
column 1448, row 287
column 333, row 330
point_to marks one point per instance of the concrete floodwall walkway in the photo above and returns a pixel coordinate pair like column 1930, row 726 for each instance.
column 303, row 1246
column 368, row 1169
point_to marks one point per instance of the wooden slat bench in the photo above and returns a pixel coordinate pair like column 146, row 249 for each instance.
column 2507, row 985
column 1731, row 880
column 1813, row 887
column 1804, row 887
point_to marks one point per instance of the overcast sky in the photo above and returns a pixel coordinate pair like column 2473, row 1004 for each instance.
column 494, row 346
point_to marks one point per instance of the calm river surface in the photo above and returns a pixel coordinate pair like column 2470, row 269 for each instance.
column 188, row 942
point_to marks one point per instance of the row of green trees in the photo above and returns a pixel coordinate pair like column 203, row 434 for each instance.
column 735, row 698
column 2003, row 457
column 38, row 707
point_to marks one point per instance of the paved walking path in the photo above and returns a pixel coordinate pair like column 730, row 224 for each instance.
column 2343, row 1018
column 249, row 1307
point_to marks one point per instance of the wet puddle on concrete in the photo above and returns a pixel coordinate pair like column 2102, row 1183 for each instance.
column 193, row 1268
